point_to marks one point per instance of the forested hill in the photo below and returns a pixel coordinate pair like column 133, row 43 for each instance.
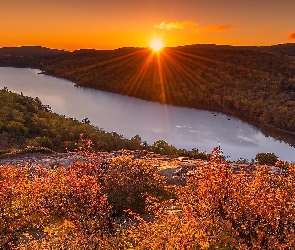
column 25, row 121
column 254, row 83
column 286, row 49
column 30, row 51
column 27, row 125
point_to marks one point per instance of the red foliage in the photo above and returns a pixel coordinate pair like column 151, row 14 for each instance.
column 71, row 208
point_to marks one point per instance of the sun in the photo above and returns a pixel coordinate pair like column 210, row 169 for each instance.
column 156, row 45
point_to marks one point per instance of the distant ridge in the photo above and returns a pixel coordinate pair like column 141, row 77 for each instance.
column 30, row 51
column 285, row 49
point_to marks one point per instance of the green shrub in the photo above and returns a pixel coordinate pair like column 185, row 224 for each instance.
column 266, row 158
column 127, row 180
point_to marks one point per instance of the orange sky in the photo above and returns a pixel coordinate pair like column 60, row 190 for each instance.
column 109, row 24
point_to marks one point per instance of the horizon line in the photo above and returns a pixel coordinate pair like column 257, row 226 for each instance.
column 141, row 47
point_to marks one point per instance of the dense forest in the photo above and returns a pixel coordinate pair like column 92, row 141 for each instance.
column 254, row 83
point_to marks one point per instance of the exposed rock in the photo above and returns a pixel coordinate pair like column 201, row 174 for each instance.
column 34, row 159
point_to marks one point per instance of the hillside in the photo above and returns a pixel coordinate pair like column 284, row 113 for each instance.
column 256, row 84
column 27, row 125
column 26, row 122
column 285, row 49
column 30, row 51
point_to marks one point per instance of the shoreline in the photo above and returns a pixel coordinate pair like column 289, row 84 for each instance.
column 267, row 130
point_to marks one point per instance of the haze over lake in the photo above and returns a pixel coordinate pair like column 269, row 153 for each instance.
column 182, row 127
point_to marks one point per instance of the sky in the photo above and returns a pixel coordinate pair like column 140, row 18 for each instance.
column 111, row 24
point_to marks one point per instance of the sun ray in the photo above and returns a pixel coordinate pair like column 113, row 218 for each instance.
column 189, row 57
column 102, row 63
column 161, row 78
column 167, row 78
column 163, row 85
column 118, row 63
column 134, row 83
column 199, row 65
column 183, row 66
column 206, row 59
column 188, row 73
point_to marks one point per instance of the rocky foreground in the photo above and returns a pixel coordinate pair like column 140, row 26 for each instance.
column 176, row 169
column 43, row 159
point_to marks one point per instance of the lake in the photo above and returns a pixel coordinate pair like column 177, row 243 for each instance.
column 182, row 127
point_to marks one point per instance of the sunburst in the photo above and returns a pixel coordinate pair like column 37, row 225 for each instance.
column 156, row 45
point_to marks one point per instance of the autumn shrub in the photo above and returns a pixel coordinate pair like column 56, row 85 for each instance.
column 127, row 180
column 39, row 204
column 243, row 211
column 222, row 210
column 282, row 164
column 170, row 229
column 73, row 207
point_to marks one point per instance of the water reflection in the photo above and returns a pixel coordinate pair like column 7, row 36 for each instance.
column 182, row 127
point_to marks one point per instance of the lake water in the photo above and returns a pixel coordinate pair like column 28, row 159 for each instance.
column 182, row 127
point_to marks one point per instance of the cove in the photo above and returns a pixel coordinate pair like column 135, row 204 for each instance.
column 182, row 127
